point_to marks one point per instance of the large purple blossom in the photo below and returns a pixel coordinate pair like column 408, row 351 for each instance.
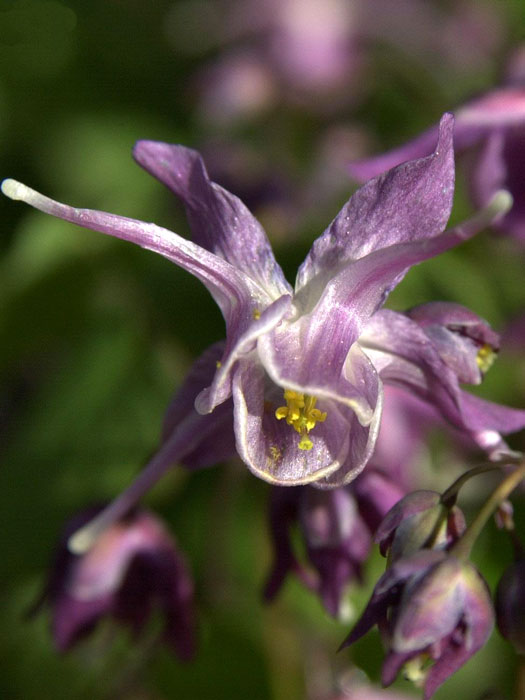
column 302, row 369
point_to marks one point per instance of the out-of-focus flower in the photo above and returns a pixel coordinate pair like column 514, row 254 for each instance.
column 510, row 605
column 430, row 608
column 305, row 368
column 133, row 568
column 316, row 54
column 336, row 536
column 492, row 129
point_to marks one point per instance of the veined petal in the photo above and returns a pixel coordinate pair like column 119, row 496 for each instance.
column 405, row 356
column 363, row 286
column 270, row 447
column 219, row 221
column 237, row 295
column 236, row 347
column 319, row 361
column 409, row 203
column 478, row 618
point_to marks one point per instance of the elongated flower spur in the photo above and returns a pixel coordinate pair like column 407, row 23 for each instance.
column 302, row 370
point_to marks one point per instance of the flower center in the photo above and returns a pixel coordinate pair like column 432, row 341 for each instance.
column 300, row 412
column 485, row 357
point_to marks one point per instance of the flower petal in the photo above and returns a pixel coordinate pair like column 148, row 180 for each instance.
column 219, row 221
column 270, row 447
column 215, row 430
column 362, row 287
column 262, row 323
column 404, row 355
column 409, row 203
column 237, row 295
column 478, row 620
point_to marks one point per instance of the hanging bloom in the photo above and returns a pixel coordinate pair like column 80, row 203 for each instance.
column 493, row 126
column 510, row 605
column 131, row 568
column 434, row 612
column 306, row 392
column 336, row 538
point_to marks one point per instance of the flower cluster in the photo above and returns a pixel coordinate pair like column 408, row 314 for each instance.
column 297, row 391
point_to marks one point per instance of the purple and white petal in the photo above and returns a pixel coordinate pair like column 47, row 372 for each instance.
column 270, row 447
column 219, row 221
column 261, row 325
column 409, row 203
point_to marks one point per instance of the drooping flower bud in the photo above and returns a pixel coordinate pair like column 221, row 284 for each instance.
column 429, row 607
column 510, row 605
column 419, row 521
column 133, row 567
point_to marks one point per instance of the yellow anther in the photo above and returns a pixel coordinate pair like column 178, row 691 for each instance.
column 301, row 414
column 256, row 314
column 485, row 357
column 218, row 364
column 414, row 670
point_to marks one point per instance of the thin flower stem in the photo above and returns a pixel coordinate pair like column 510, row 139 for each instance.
column 449, row 496
column 462, row 547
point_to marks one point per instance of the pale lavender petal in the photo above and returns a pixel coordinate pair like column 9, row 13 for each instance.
column 360, row 288
column 238, row 296
column 404, row 355
column 270, row 447
column 261, row 325
column 231, row 288
column 409, row 203
column 430, row 608
column 317, row 359
column 219, row 221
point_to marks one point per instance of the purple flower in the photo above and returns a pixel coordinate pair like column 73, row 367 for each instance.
column 493, row 126
column 336, row 538
column 510, row 605
column 429, row 607
column 132, row 568
column 303, row 369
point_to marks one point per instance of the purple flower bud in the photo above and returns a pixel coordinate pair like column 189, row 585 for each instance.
column 417, row 521
column 465, row 342
column 510, row 605
column 132, row 567
column 430, row 607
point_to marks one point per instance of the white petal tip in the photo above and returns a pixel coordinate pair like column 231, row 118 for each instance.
column 81, row 541
column 14, row 189
column 501, row 202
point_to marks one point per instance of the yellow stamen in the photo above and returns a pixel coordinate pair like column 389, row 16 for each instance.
column 414, row 670
column 256, row 314
column 300, row 412
column 485, row 357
